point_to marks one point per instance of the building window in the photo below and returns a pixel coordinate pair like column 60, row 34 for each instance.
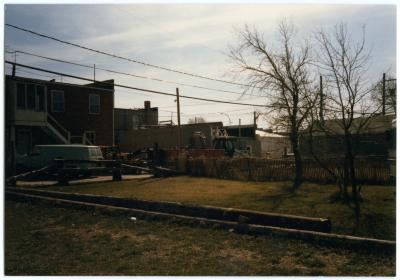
column 57, row 101
column 31, row 97
column 21, row 96
column 90, row 137
column 94, row 104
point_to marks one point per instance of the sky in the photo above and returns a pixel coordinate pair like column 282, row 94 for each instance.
column 192, row 38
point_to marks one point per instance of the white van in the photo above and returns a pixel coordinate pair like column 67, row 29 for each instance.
column 44, row 155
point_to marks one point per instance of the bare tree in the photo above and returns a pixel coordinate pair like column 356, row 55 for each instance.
column 344, row 63
column 390, row 94
column 284, row 73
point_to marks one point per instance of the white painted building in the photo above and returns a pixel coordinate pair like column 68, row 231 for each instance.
column 273, row 145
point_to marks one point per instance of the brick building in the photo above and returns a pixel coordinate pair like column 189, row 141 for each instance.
column 132, row 119
column 49, row 112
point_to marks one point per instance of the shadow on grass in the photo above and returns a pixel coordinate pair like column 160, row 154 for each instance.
column 276, row 200
column 146, row 181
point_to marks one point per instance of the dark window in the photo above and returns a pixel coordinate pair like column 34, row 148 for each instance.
column 21, row 96
column 94, row 104
column 30, row 97
column 40, row 101
column 57, row 99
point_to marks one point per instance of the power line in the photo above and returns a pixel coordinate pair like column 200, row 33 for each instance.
column 120, row 73
column 140, row 93
column 189, row 105
column 32, row 73
column 154, row 91
column 134, row 88
column 121, row 57
column 209, row 103
column 50, row 58
column 44, row 82
column 212, row 113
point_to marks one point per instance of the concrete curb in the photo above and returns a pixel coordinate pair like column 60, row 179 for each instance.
column 201, row 211
column 98, row 179
column 325, row 239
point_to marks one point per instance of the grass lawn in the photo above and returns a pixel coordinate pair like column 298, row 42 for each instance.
column 378, row 209
column 42, row 240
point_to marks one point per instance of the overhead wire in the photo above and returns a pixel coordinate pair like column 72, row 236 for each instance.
column 33, row 73
column 121, row 57
column 210, row 103
column 121, row 73
column 142, row 63
column 153, row 91
column 130, row 87
column 28, row 72
column 40, row 75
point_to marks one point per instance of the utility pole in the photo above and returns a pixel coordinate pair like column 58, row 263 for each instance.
column 240, row 128
column 255, row 123
column 383, row 94
column 321, row 100
column 179, row 119
column 94, row 73
column 15, row 61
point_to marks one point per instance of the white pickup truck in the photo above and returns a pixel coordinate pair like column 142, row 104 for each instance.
column 44, row 155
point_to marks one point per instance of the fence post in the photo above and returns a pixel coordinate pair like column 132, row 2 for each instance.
column 117, row 175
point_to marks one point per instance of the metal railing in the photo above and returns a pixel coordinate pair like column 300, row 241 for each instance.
column 60, row 129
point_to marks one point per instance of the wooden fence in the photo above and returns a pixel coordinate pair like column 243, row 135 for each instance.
column 255, row 169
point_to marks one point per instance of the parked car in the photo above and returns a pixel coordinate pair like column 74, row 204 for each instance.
column 44, row 155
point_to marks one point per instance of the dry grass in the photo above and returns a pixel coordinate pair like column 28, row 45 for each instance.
column 378, row 209
column 55, row 241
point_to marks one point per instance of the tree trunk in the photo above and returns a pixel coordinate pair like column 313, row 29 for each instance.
column 298, row 178
column 353, row 180
column 355, row 195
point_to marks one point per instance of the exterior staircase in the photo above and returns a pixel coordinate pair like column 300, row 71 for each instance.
column 57, row 130
column 63, row 135
column 51, row 127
